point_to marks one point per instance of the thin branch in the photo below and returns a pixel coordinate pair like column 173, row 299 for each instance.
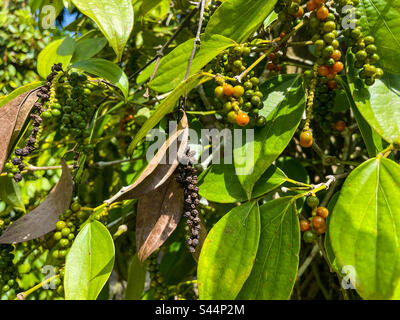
column 307, row 262
column 197, row 40
column 160, row 52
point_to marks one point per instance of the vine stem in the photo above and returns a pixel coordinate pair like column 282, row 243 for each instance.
column 197, row 40
column 23, row 295
column 261, row 58
column 160, row 52
column 307, row 262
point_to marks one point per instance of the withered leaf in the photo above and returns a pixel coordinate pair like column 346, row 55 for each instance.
column 43, row 218
column 159, row 212
column 156, row 173
column 12, row 118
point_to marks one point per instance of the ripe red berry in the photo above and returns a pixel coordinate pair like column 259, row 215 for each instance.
column 242, row 119
column 323, row 71
column 338, row 66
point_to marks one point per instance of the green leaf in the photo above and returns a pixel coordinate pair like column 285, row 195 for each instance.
column 365, row 228
column 11, row 193
column 89, row 262
column 372, row 140
column 380, row 19
column 136, row 279
column 28, row 87
column 106, row 70
column 327, row 240
column 219, row 183
column 378, row 103
column 168, row 105
column 228, row 253
column 57, row 51
column 238, row 19
column 274, row 272
column 284, row 103
column 85, row 49
column 113, row 17
column 172, row 67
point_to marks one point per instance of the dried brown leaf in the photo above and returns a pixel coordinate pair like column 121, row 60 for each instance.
column 43, row 218
column 12, row 118
column 156, row 173
column 159, row 212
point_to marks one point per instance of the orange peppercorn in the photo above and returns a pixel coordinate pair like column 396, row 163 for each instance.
column 228, row 89
column 322, row 212
column 242, row 119
column 323, row 71
column 332, row 84
column 322, row 13
column 336, row 55
column 338, row 66
column 304, row 225
column 340, row 125
column 270, row 66
column 318, row 222
column 306, row 139
column 321, row 230
column 311, row 6
column 299, row 13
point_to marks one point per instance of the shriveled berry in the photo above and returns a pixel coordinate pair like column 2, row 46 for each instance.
column 340, row 125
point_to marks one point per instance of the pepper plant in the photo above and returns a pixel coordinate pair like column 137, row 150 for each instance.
column 170, row 149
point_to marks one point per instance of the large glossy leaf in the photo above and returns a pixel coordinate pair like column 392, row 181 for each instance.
column 113, row 17
column 219, row 183
column 11, row 193
column 59, row 51
column 380, row 19
column 365, row 228
column 284, row 103
column 172, row 67
column 106, row 70
column 238, row 19
column 136, row 279
column 167, row 106
column 274, row 272
column 372, row 140
column 378, row 104
column 89, row 262
column 228, row 253
column 87, row 48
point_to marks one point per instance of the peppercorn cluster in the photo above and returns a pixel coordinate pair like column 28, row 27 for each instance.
column 44, row 95
column 188, row 179
column 316, row 225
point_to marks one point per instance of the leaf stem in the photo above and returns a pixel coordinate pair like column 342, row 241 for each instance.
column 23, row 295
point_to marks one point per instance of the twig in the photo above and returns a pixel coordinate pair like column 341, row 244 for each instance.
column 307, row 262
column 197, row 40
column 160, row 53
